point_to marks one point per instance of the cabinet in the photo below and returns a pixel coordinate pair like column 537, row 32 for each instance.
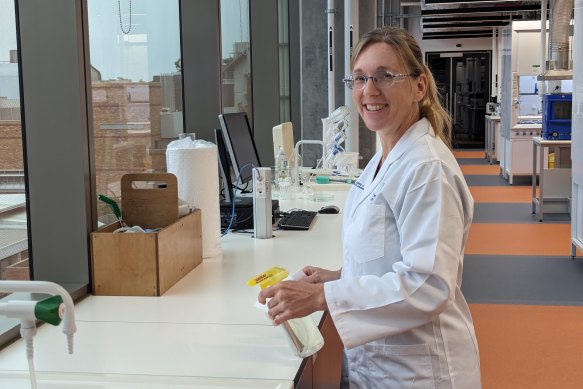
column 519, row 159
column 554, row 178
column 322, row 370
column 521, row 156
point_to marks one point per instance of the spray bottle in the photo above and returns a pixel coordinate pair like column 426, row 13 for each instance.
column 302, row 333
column 281, row 166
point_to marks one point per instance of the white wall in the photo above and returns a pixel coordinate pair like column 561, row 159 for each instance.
column 526, row 47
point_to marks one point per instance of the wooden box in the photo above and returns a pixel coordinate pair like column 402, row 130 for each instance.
column 145, row 264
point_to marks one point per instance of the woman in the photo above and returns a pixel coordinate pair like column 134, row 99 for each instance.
column 396, row 302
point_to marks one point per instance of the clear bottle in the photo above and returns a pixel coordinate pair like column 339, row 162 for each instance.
column 281, row 166
column 303, row 334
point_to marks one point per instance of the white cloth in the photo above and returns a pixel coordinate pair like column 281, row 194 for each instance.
column 398, row 306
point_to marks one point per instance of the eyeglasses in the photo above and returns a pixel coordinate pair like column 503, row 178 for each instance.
column 381, row 79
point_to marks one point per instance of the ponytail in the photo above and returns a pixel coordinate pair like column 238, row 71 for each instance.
column 430, row 107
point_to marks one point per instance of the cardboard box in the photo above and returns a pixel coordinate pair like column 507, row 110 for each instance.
column 145, row 264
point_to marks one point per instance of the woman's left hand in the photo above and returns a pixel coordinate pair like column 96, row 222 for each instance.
column 293, row 299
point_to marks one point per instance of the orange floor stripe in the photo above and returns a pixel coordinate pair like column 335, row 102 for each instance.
column 529, row 347
column 502, row 194
column 520, row 239
column 469, row 154
column 481, row 169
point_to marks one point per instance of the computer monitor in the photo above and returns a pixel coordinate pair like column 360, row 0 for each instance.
column 224, row 165
column 240, row 144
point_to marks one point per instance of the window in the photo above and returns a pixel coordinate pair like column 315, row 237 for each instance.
column 14, row 264
column 13, row 220
column 136, row 81
column 236, row 57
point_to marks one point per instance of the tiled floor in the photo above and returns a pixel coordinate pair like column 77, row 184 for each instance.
column 521, row 346
column 520, row 239
column 502, row 194
column 480, row 169
column 530, row 347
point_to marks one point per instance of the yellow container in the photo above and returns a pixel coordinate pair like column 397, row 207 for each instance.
column 551, row 164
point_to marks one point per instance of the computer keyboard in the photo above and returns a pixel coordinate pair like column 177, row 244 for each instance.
column 297, row 220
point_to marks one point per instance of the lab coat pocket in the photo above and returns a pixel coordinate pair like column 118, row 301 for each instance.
column 400, row 366
column 369, row 233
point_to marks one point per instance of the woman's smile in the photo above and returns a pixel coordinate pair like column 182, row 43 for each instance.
column 374, row 107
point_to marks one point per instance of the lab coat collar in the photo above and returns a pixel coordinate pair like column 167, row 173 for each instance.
column 416, row 131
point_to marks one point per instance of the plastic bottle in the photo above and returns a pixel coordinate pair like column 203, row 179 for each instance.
column 281, row 166
column 303, row 334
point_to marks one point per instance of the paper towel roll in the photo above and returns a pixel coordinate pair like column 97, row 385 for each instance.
column 195, row 165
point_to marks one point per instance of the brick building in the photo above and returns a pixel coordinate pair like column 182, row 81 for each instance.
column 127, row 136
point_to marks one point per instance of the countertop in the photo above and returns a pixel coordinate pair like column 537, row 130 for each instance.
column 204, row 331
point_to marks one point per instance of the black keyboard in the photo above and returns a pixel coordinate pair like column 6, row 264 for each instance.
column 297, row 220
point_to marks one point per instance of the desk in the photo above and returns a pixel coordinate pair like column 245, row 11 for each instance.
column 554, row 183
column 204, row 332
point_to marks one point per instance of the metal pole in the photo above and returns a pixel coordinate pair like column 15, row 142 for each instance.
column 494, row 91
column 350, row 38
column 331, row 70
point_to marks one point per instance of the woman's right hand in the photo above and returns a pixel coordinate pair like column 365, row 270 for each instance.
column 316, row 275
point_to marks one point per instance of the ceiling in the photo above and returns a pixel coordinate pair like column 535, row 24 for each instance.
column 446, row 19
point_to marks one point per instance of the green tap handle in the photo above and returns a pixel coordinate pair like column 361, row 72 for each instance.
column 48, row 310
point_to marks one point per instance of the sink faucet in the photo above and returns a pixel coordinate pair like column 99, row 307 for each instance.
column 50, row 310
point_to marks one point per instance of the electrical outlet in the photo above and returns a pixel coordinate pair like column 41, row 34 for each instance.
column 262, row 212
column 259, row 184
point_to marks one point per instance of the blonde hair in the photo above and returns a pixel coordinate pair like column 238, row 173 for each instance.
column 408, row 49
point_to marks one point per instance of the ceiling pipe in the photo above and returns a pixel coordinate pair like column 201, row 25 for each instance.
column 543, row 44
column 559, row 40
column 558, row 62
column 481, row 18
column 474, row 10
column 441, row 2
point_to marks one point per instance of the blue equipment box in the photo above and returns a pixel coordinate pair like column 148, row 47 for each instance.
column 557, row 109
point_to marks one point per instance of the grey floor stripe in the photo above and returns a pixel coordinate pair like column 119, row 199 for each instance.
column 529, row 280
column 496, row 180
column 514, row 213
column 485, row 180
column 472, row 161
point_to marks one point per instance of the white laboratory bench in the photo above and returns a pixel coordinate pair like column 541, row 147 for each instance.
column 518, row 162
column 554, row 182
column 204, row 332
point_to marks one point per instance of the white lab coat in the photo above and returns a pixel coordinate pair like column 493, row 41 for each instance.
column 398, row 306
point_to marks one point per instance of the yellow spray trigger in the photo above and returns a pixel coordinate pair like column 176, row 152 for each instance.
column 269, row 277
